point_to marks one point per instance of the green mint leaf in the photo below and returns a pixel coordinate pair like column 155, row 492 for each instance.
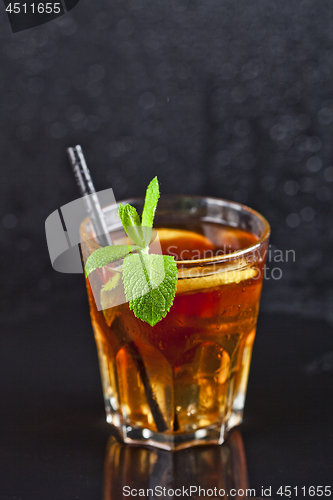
column 103, row 256
column 150, row 283
column 131, row 221
column 152, row 196
column 128, row 215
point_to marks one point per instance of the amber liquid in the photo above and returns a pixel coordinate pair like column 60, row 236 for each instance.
column 197, row 358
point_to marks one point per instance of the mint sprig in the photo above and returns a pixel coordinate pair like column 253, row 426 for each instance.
column 150, row 280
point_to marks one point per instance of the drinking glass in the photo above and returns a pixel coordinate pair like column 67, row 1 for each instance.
column 183, row 381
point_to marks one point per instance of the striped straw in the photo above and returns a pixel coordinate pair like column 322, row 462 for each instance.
column 88, row 192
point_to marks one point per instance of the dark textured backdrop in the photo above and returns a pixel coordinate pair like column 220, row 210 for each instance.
column 223, row 98
column 230, row 98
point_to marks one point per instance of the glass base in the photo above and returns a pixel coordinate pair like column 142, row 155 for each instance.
column 211, row 435
column 173, row 442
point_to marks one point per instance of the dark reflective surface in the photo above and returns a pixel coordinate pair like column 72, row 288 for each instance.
column 204, row 471
column 53, row 434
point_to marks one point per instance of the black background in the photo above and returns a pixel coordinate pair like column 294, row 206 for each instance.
column 225, row 98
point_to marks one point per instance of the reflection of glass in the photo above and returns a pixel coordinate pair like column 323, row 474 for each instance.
column 183, row 382
column 219, row 470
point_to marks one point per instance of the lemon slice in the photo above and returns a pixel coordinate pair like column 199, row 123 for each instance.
column 181, row 244
column 200, row 278
column 112, row 294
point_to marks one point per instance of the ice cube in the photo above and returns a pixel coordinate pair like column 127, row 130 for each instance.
column 201, row 384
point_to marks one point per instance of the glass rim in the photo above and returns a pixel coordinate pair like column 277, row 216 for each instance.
column 220, row 201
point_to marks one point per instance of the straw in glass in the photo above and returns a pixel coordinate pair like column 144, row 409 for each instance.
column 87, row 190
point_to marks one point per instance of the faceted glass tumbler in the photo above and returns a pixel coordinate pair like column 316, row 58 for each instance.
column 183, row 381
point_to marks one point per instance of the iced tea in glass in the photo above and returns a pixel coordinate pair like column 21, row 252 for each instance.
column 183, row 381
